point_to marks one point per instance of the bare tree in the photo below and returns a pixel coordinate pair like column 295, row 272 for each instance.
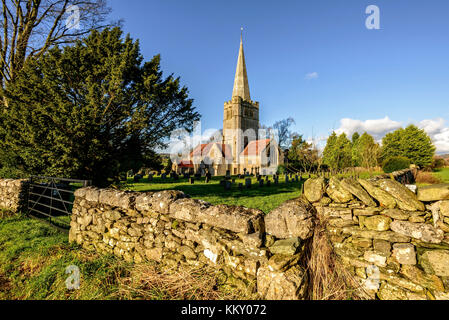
column 284, row 133
column 28, row 28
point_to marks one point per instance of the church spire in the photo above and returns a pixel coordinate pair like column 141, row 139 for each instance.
column 241, row 87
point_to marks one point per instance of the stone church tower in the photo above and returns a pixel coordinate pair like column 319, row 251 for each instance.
column 241, row 114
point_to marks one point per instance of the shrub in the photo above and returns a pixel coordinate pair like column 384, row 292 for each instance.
column 395, row 164
column 427, row 178
column 12, row 173
column 281, row 169
column 438, row 163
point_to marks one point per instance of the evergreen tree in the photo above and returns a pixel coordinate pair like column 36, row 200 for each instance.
column 355, row 140
column 329, row 150
column 366, row 151
column 343, row 152
column 412, row 143
column 355, row 137
column 92, row 110
column 338, row 152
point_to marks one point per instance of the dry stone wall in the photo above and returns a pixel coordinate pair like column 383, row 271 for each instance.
column 394, row 241
column 173, row 229
column 13, row 194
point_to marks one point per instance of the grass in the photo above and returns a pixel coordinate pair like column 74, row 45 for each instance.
column 442, row 174
column 264, row 198
column 34, row 257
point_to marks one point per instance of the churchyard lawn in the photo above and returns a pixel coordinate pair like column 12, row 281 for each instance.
column 265, row 198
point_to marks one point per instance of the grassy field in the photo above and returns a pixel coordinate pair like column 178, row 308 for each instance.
column 264, row 198
column 442, row 174
column 34, row 257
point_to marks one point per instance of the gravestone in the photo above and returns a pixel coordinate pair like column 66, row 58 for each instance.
column 261, row 183
column 240, row 186
column 222, row 183
column 233, row 181
column 276, row 180
column 186, row 176
column 248, row 183
column 286, row 178
column 296, row 178
column 228, row 174
column 164, row 176
column 150, row 177
column 268, row 183
column 228, row 185
column 192, row 180
column 137, row 178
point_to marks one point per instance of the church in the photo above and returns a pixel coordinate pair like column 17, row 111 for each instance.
column 242, row 148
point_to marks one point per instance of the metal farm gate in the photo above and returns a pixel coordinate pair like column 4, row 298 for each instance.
column 51, row 199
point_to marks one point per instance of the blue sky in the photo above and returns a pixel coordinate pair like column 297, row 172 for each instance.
column 314, row 61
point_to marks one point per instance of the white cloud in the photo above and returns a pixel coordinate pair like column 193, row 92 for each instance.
column 311, row 76
column 378, row 128
column 439, row 133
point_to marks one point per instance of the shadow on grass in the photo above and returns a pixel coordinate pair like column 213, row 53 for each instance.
column 200, row 188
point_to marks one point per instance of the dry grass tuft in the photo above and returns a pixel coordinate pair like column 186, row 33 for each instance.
column 149, row 282
column 427, row 178
column 329, row 279
column 6, row 214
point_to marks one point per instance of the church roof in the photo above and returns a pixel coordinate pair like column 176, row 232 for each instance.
column 204, row 149
column 241, row 86
column 255, row 147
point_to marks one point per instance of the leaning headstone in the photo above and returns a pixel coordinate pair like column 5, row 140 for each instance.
column 248, row 183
